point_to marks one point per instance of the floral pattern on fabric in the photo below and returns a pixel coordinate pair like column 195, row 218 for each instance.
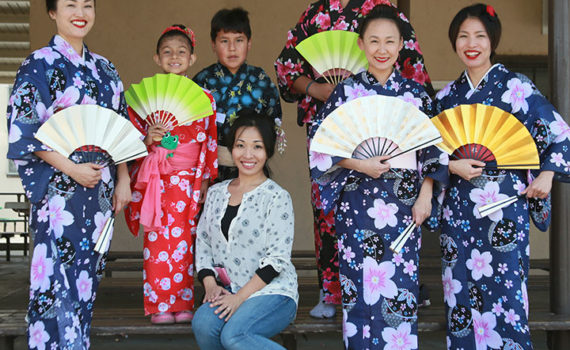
column 379, row 288
column 486, row 260
column 168, row 265
column 66, row 217
column 320, row 16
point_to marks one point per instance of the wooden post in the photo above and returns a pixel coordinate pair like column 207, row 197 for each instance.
column 559, row 69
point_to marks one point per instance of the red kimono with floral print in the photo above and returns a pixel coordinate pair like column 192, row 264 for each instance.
column 168, row 268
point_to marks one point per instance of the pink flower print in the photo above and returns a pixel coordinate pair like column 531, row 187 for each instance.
column 93, row 67
column 163, row 307
column 557, row 158
column 401, row 338
column 184, row 185
column 165, row 283
column 43, row 214
column 511, row 317
column 444, row 92
column 398, row 259
column 78, row 82
column 66, row 99
column 42, row 112
column 117, row 89
column 323, row 20
column 178, row 277
column 84, row 286
column 47, row 54
column 58, row 216
column 88, row 100
column 483, row 327
column 498, row 308
column 490, row 194
column 366, row 332
column 480, row 264
column 502, row 268
column 450, row 287
column 321, row 161
column 410, row 267
column 136, row 197
column 100, row 221
column 348, row 328
column 409, row 97
column 356, row 91
column 340, row 25
column 447, row 213
column 517, row 94
column 383, row 214
column 180, row 205
column 67, row 51
column 377, row 280
column 15, row 134
column 174, row 180
column 559, row 128
column 41, row 269
column 519, row 187
column 186, row 294
column 38, row 337
column 348, row 254
column 176, row 232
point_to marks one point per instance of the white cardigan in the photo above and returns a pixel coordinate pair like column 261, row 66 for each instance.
column 261, row 234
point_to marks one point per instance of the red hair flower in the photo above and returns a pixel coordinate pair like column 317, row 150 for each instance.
column 490, row 10
column 187, row 31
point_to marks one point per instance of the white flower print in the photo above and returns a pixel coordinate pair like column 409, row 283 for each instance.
column 348, row 328
column 490, row 194
column 401, row 338
column 58, row 216
column 383, row 214
column 517, row 94
column 41, row 269
column 377, row 280
column 484, row 330
column 84, row 285
column 410, row 98
column 519, row 187
column 356, row 91
column 66, row 99
column 348, row 254
column 117, row 89
column 559, row 128
column 511, row 317
column 480, row 264
column 38, row 336
column 15, row 133
column 321, row 161
column 100, row 221
column 70, row 334
column 450, row 287
column 444, row 92
column 410, row 267
column 48, row 54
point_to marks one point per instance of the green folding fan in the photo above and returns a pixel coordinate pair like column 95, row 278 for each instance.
column 334, row 54
column 168, row 99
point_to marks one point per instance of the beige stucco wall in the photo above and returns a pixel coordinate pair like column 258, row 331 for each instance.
column 126, row 32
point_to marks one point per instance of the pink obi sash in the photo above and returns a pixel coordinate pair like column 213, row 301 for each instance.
column 185, row 156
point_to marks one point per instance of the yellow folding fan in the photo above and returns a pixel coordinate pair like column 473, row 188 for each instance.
column 487, row 134
column 92, row 134
column 373, row 126
column 168, row 99
column 333, row 54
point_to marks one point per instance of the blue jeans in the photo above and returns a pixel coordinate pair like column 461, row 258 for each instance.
column 250, row 327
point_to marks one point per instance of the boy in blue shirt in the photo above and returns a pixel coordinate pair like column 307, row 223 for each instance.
column 234, row 84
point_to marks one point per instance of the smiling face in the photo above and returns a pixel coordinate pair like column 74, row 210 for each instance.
column 74, row 18
column 248, row 151
column 381, row 44
column 174, row 55
column 473, row 45
column 231, row 49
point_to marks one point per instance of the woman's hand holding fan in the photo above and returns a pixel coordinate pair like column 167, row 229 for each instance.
column 154, row 133
column 86, row 174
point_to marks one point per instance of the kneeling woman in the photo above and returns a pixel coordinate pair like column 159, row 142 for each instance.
column 374, row 203
column 244, row 241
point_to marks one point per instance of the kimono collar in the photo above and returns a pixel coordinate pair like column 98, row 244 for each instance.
column 227, row 71
column 371, row 79
column 59, row 44
column 484, row 78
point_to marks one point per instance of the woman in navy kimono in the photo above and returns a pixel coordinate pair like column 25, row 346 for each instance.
column 486, row 260
column 70, row 202
column 375, row 203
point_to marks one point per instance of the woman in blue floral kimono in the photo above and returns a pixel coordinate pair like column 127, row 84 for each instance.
column 70, row 202
column 375, row 203
column 486, row 260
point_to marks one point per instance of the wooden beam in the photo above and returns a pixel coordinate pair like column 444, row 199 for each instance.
column 559, row 69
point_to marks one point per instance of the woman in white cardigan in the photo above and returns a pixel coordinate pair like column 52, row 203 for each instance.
column 243, row 248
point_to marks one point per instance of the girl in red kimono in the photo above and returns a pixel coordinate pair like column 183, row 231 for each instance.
column 168, row 191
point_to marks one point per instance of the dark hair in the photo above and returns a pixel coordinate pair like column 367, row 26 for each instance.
column 486, row 14
column 51, row 5
column 264, row 124
column 380, row 12
column 234, row 20
column 173, row 33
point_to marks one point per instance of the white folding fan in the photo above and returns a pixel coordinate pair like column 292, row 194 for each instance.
column 92, row 132
column 334, row 54
column 168, row 99
column 374, row 126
